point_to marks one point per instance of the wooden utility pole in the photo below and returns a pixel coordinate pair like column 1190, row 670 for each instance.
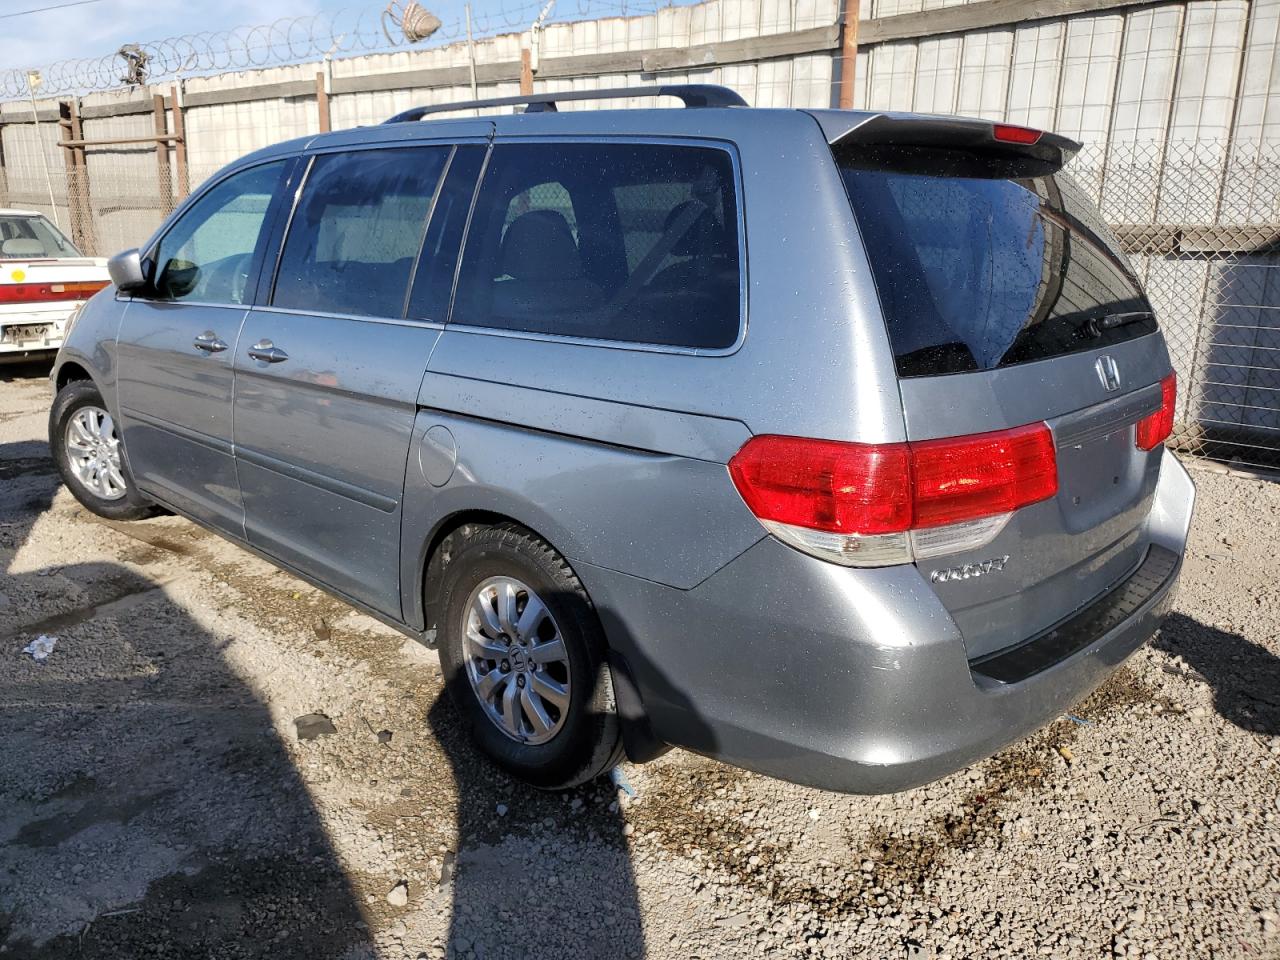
column 849, row 53
column 180, row 139
column 163, row 177
column 322, row 102
column 526, row 71
column 78, row 206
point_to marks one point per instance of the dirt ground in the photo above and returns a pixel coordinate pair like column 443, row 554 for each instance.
column 156, row 800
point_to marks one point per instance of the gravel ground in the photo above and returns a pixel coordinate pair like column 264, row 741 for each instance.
column 156, row 800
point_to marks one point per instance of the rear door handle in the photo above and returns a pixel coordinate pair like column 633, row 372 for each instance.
column 209, row 342
column 267, row 352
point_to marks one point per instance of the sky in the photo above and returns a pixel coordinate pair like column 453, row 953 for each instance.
column 101, row 27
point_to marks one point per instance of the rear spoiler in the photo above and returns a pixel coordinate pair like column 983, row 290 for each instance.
column 966, row 134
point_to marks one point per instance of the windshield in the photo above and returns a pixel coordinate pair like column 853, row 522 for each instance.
column 977, row 271
column 28, row 237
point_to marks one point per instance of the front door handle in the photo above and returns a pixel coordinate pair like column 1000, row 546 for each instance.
column 267, row 352
column 209, row 342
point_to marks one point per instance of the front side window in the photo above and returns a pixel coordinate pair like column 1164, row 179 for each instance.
column 633, row 242
column 357, row 231
column 208, row 254
column 27, row 237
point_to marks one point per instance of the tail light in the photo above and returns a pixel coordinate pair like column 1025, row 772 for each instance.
column 1008, row 133
column 49, row 292
column 880, row 504
column 1155, row 428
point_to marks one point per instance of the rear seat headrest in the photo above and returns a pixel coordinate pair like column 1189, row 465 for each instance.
column 539, row 245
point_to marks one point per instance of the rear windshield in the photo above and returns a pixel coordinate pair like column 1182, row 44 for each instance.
column 24, row 237
column 976, row 270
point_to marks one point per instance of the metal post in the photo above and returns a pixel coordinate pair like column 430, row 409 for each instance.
column 849, row 53
column 529, row 55
column 179, row 131
column 33, row 81
column 471, row 52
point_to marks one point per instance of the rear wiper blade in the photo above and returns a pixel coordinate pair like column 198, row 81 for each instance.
column 1097, row 325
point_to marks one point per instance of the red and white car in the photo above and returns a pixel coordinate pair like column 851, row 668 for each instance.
column 43, row 280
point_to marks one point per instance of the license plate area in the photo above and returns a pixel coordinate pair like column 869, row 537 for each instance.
column 21, row 333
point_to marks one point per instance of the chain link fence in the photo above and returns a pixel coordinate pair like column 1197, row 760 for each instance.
column 1200, row 221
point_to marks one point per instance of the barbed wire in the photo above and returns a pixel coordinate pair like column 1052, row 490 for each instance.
column 342, row 33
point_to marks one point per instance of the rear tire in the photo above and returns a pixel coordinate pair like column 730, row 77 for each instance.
column 87, row 448
column 559, row 645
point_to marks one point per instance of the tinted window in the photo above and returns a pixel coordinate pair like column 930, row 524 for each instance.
column 32, row 238
column 357, row 230
column 976, row 272
column 208, row 254
column 635, row 242
column 433, row 279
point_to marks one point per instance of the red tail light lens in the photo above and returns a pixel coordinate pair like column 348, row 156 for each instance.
column 826, row 485
column 49, row 292
column 1008, row 133
column 1155, row 428
column 871, row 489
column 981, row 475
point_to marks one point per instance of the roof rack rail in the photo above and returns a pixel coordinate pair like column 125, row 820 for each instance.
column 691, row 94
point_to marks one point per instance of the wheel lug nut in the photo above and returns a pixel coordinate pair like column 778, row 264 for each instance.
column 505, row 666
column 520, row 681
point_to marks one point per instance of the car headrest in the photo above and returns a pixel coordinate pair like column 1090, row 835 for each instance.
column 22, row 247
column 706, row 237
column 539, row 245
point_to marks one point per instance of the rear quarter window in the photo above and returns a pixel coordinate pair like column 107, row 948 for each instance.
column 976, row 272
column 633, row 242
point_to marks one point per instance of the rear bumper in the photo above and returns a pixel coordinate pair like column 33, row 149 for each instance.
column 31, row 332
column 858, row 680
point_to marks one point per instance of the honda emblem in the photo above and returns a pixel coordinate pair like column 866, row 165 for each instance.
column 1108, row 373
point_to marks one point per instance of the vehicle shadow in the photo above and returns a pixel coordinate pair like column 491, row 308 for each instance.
column 532, row 873
column 1245, row 677
column 26, row 369
column 536, row 874
column 147, row 805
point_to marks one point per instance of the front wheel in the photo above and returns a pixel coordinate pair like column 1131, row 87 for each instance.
column 85, row 441
column 524, row 658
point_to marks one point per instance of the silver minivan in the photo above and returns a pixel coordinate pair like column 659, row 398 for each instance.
column 826, row 443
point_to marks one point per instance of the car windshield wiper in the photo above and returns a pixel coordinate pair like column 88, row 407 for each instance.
column 1098, row 325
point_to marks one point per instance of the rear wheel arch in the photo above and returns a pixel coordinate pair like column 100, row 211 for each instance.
column 436, row 556
column 69, row 372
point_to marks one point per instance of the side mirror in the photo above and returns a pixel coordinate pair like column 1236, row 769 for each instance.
column 126, row 271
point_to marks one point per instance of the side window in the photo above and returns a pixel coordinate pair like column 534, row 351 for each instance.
column 635, row 242
column 356, row 231
column 207, row 255
column 433, row 280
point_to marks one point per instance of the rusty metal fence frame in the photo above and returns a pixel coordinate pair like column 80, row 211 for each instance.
column 1199, row 220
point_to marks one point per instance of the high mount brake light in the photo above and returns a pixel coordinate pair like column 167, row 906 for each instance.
column 1154, row 429
column 1008, row 133
column 879, row 504
column 49, row 292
